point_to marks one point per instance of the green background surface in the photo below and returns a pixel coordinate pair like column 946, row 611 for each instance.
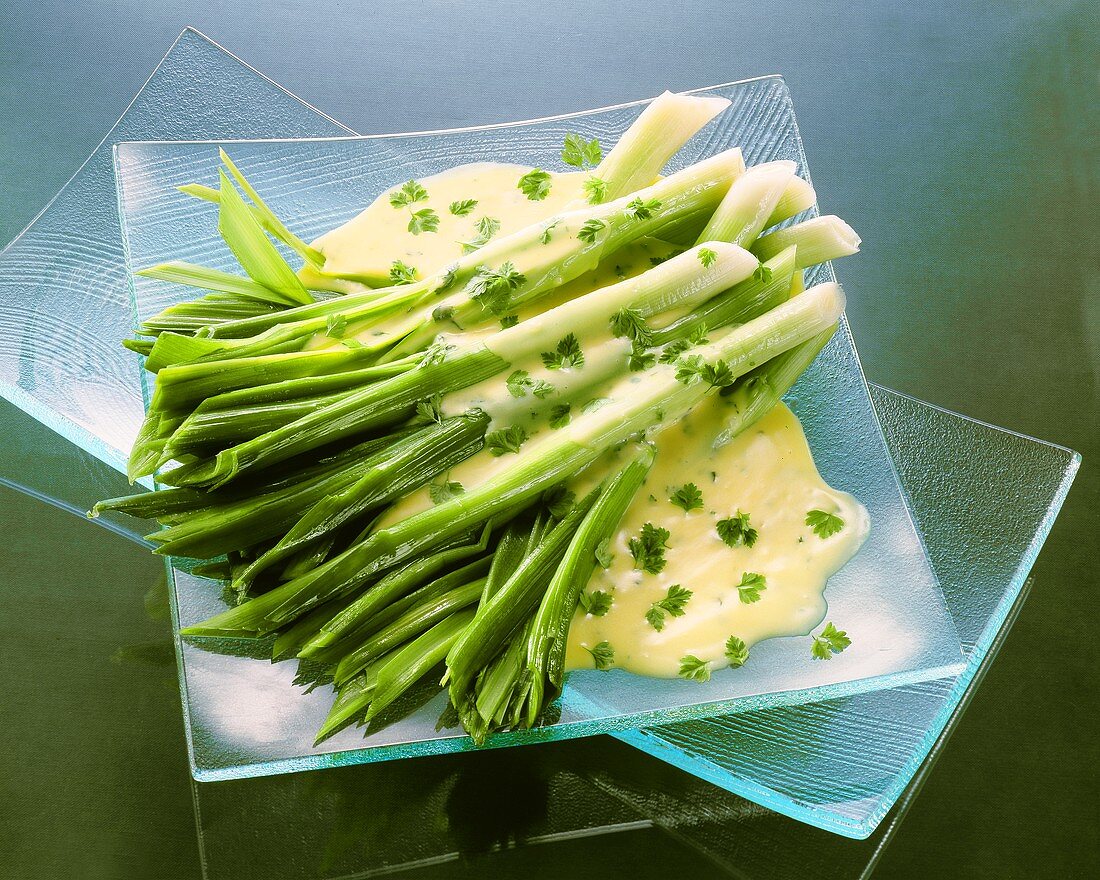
column 960, row 139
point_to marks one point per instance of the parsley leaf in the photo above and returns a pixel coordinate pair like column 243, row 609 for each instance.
column 558, row 500
column 402, row 274
column 694, row 669
column 535, row 184
column 594, row 404
column 545, row 237
column 463, row 207
column 578, row 152
column 493, row 287
column 671, row 352
column 603, row 655
column 824, row 524
column 604, row 556
column 518, row 382
column 588, row 231
column 673, row 604
column 640, row 358
column 559, row 415
column 687, row 497
column 424, row 220
column 648, row 549
column 751, row 586
column 409, row 193
column 630, row 323
column 640, row 209
column 831, row 641
column 707, row 257
column 336, row 326
column 507, row 440
column 444, row 491
column 736, row 530
column 717, row 375
column 352, row 344
column 597, row 603
column 736, row 652
column 434, row 354
column 762, row 273
column 567, row 354
column 509, row 321
column 595, row 190
column 430, row 409
column 486, row 228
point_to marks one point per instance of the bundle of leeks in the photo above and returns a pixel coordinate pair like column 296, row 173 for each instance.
column 288, row 423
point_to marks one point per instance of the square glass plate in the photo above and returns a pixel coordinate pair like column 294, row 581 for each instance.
column 247, row 717
column 851, row 751
column 215, row 94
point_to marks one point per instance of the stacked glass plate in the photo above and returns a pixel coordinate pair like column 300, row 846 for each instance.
column 959, row 512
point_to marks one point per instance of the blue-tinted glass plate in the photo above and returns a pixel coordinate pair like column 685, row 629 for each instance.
column 246, row 716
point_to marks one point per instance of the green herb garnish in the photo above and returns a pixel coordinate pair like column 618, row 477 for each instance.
column 687, row 497
column 567, row 354
column 694, row 669
column 463, row 207
column 736, row 652
column 736, row 530
column 824, row 524
column 831, row 641
column 751, row 586
column 648, row 549
column 578, row 152
column 535, row 184
column 603, row 655
column 505, row 441
column 672, row 604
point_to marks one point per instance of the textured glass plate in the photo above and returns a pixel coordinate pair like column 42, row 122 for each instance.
column 1007, row 487
column 246, row 716
column 218, row 95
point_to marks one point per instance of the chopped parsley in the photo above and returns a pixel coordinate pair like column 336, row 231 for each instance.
column 424, row 220
column 831, row 641
column 486, row 228
column 578, row 152
column 336, row 326
column 642, row 209
column 672, row 604
column 824, row 524
column 352, row 344
column 736, row 652
column 558, row 500
column 588, row 231
column 493, row 287
column 595, row 190
column 509, row 321
column 597, row 603
column 463, row 207
column 717, row 375
column 430, row 409
column 567, row 354
column 648, row 549
column 687, row 497
column 604, row 556
column 762, row 273
column 640, row 358
column 559, row 415
column 519, row 383
column 603, row 655
column 751, row 586
column 630, row 323
column 402, row 274
column 434, row 354
column 445, row 491
column 707, row 257
column 410, row 193
column 535, row 184
column 736, row 530
column 694, row 669
column 546, row 230
column 505, row 441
